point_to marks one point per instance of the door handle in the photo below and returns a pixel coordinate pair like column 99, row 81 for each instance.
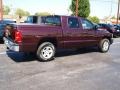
column 68, row 33
column 85, row 33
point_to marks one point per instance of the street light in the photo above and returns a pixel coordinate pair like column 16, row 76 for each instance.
column 76, row 13
column 1, row 10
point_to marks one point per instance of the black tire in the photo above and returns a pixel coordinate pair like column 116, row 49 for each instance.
column 46, row 52
column 104, row 45
column 115, row 36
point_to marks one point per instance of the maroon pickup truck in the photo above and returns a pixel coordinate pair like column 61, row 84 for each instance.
column 55, row 32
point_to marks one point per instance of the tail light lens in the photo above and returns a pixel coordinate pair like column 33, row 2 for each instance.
column 18, row 37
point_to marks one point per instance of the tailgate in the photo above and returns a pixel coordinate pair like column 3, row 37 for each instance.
column 10, row 31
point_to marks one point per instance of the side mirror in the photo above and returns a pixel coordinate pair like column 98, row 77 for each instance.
column 95, row 27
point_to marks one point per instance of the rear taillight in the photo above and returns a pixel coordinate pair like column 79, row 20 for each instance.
column 18, row 37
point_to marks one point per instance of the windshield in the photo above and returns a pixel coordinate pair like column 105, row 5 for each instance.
column 111, row 26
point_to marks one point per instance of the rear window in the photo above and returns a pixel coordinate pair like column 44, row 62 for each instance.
column 31, row 19
column 52, row 20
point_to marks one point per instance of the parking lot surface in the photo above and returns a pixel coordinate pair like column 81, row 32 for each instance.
column 86, row 69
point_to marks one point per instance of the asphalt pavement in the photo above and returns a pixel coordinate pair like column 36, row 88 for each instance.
column 86, row 69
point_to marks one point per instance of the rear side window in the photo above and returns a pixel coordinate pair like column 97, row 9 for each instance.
column 73, row 22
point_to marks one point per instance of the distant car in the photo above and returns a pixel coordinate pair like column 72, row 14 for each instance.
column 100, row 27
column 3, row 23
column 117, row 30
column 109, row 28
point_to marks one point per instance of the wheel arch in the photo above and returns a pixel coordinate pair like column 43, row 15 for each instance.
column 48, row 39
column 109, row 38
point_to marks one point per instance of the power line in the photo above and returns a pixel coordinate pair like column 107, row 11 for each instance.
column 118, row 11
column 1, row 10
column 111, row 2
column 105, row 1
column 111, row 9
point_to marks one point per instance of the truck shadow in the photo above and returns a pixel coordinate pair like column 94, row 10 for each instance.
column 72, row 52
column 22, row 57
column 1, row 41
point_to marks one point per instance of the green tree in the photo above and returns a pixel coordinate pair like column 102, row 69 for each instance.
column 83, row 8
column 26, row 13
column 94, row 19
column 6, row 10
column 42, row 13
column 21, row 13
column 113, row 17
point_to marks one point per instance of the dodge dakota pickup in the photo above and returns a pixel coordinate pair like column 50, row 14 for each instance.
column 55, row 32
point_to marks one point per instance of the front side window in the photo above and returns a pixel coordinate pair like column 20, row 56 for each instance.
column 73, row 22
column 86, row 24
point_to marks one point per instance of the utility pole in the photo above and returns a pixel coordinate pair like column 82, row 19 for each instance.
column 1, row 10
column 118, row 11
column 76, row 8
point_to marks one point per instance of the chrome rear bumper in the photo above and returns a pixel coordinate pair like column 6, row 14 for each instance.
column 11, row 45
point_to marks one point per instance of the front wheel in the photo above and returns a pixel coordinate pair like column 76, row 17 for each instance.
column 104, row 45
column 46, row 52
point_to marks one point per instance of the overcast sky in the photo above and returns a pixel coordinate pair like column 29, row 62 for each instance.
column 100, row 8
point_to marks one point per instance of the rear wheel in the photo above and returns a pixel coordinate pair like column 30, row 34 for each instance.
column 46, row 52
column 104, row 45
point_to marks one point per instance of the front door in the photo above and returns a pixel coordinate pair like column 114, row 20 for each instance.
column 90, row 35
column 72, row 33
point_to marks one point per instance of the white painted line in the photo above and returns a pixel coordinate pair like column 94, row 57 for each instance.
column 4, row 53
column 117, row 43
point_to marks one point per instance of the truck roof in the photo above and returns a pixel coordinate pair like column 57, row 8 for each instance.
column 55, row 15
